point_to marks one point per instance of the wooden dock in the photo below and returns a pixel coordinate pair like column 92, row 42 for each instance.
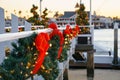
column 100, row 62
column 100, row 74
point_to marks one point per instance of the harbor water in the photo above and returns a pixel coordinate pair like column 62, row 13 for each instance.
column 104, row 41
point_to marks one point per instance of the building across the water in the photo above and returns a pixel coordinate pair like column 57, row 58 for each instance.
column 68, row 18
column 98, row 21
column 101, row 21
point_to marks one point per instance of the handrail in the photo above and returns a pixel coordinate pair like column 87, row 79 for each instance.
column 17, row 35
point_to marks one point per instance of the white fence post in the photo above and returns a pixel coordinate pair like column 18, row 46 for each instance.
column 2, row 21
column 27, row 26
column 14, row 23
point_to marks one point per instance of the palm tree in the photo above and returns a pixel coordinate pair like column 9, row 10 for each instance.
column 57, row 14
column 20, row 13
column 14, row 11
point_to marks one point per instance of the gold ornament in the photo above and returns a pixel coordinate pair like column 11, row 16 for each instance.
column 64, row 46
column 66, row 42
column 12, row 71
column 42, row 67
column 28, row 64
column 71, row 34
column 67, row 35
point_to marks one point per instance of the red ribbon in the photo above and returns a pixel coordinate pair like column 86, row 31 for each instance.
column 53, row 26
column 67, row 30
column 42, row 45
column 57, row 32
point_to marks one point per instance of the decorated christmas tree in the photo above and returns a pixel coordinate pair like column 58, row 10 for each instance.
column 39, row 20
column 44, row 18
column 35, row 19
column 82, row 19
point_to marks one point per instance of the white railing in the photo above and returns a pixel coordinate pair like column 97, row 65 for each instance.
column 17, row 35
column 89, row 35
column 13, row 36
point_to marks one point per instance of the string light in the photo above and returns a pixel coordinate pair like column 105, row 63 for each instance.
column 33, row 65
column 35, row 58
column 50, row 45
column 35, row 54
column 67, row 35
column 0, row 76
column 31, row 49
column 65, row 39
column 26, row 75
column 31, row 72
column 33, row 43
column 66, row 42
column 6, row 57
column 27, row 67
column 46, row 53
column 21, row 63
column 36, row 62
column 21, row 72
column 28, row 47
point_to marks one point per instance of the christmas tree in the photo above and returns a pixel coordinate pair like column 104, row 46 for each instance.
column 82, row 19
column 44, row 18
column 39, row 20
column 35, row 18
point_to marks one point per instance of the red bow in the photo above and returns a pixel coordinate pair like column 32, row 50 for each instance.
column 77, row 28
column 57, row 32
column 42, row 45
column 53, row 26
column 67, row 30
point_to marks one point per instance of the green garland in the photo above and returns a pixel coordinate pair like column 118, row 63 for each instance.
column 20, row 62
